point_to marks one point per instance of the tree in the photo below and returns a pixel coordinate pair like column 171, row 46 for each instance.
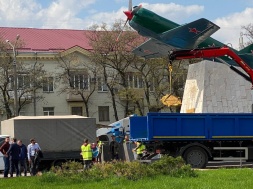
column 115, row 57
column 152, row 72
column 25, row 75
column 5, row 74
column 30, row 79
column 77, row 77
column 248, row 32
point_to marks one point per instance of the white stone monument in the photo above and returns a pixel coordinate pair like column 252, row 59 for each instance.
column 213, row 87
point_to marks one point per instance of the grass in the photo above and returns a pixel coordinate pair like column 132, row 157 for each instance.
column 207, row 179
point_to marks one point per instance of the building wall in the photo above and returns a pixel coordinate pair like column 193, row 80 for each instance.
column 60, row 101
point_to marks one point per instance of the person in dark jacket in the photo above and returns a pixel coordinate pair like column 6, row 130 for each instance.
column 114, row 149
column 4, row 148
column 13, row 154
column 22, row 158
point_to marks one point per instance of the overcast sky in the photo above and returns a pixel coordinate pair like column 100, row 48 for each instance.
column 230, row 15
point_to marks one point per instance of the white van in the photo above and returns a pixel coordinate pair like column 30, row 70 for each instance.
column 2, row 138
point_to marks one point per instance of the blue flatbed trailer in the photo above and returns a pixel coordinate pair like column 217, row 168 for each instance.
column 196, row 137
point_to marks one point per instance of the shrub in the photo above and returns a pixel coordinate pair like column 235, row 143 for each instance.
column 119, row 169
column 99, row 171
column 167, row 165
column 50, row 177
column 69, row 169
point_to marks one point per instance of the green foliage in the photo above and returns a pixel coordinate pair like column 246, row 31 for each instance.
column 51, row 177
column 208, row 179
column 69, row 170
column 135, row 170
column 176, row 167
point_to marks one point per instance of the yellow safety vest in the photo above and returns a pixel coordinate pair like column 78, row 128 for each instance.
column 140, row 148
column 99, row 145
column 86, row 152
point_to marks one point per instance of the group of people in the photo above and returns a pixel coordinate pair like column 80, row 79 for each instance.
column 16, row 155
column 92, row 152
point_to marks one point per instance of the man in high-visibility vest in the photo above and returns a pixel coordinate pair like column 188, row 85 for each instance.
column 140, row 148
column 100, row 148
column 86, row 153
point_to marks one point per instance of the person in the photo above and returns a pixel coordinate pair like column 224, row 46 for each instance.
column 86, row 153
column 100, row 149
column 95, row 152
column 11, row 141
column 13, row 154
column 114, row 149
column 33, row 150
column 4, row 148
column 140, row 149
column 22, row 158
column 126, row 139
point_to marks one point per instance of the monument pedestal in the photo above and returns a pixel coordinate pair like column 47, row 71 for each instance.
column 213, row 87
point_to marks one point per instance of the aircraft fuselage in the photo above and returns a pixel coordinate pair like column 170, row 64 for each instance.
column 151, row 21
column 149, row 24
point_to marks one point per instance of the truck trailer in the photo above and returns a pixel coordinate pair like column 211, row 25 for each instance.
column 60, row 137
column 198, row 138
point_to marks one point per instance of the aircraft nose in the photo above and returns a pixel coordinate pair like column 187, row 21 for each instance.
column 128, row 14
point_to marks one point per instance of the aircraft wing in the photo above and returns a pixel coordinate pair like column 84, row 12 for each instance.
column 153, row 49
column 248, row 49
column 188, row 36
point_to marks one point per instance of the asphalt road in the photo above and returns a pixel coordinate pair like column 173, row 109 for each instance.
column 228, row 164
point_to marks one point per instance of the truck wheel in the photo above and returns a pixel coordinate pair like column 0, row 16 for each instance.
column 196, row 157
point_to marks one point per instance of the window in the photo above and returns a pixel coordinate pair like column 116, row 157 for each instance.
column 23, row 81
column 48, row 111
column 80, row 81
column 48, row 84
column 134, row 80
column 103, row 113
column 77, row 111
column 101, row 84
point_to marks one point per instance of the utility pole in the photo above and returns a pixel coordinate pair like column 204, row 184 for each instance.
column 15, row 104
column 34, row 86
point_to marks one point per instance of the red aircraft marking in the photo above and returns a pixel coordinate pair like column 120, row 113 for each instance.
column 213, row 45
column 194, row 30
column 147, row 51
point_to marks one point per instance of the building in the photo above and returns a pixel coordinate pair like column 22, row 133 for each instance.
column 44, row 47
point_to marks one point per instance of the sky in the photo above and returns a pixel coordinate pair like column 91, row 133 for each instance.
column 230, row 15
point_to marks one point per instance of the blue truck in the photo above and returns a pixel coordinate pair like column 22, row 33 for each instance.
column 198, row 138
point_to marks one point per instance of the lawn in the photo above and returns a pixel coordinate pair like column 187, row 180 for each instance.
column 206, row 179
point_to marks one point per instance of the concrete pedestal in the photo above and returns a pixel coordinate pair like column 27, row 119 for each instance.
column 213, row 87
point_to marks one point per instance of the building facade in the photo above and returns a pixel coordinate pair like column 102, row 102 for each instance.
column 58, row 92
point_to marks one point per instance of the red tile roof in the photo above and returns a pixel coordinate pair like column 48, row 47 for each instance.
column 46, row 39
